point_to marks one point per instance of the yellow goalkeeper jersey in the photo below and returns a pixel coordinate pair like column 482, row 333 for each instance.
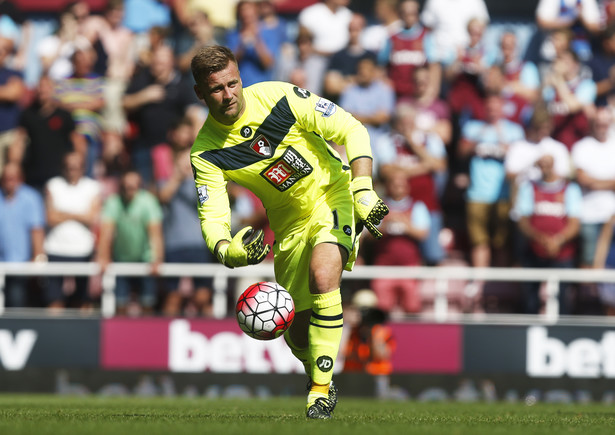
column 278, row 150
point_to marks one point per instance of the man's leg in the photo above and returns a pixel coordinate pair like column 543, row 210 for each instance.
column 326, row 320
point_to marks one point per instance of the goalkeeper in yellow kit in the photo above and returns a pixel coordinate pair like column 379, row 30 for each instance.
column 271, row 138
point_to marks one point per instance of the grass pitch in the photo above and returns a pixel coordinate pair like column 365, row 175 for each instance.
column 39, row 414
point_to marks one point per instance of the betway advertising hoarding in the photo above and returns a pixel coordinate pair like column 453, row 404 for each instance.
column 218, row 346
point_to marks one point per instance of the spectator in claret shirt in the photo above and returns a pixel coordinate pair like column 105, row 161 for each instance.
column 421, row 157
column 549, row 210
column 570, row 98
column 408, row 49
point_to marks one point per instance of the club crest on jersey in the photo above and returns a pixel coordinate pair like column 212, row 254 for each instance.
column 287, row 170
column 202, row 194
column 261, row 146
column 326, row 107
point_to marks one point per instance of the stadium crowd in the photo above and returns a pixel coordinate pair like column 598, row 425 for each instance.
column 493, row 142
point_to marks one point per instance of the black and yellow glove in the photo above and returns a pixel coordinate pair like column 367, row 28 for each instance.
column 367, row 206
column 247, row 247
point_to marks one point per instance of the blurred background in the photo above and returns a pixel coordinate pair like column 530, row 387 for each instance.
column 491, row 125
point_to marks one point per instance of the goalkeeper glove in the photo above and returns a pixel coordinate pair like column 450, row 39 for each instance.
column 368, row 207
column 247, row 247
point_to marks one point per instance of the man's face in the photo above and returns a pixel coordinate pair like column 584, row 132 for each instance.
column 223, row 93
column 409, row 13
column 130, row 185
column 508, row 46
column 11, row 179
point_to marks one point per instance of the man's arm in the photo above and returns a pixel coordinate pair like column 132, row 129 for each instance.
column 156, row 240
column 12, row 90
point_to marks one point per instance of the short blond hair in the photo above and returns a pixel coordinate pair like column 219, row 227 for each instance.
column 209, row 60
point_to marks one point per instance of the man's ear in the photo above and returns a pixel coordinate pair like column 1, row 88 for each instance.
column 197, row 91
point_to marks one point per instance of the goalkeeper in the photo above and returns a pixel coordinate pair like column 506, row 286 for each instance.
column 272, row 139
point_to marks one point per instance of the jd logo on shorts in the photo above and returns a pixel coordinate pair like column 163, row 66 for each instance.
column 324, row 363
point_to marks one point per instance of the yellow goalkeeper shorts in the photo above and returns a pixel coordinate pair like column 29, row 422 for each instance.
column 331, row 222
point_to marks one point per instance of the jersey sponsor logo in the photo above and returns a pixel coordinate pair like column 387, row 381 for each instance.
column 301, row 93
column 246, row 131
column 324, row 363
column 326, row 107
column 261, row 146
column 202, row 194
column 287, row 170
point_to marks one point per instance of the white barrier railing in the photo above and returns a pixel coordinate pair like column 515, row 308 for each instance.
column 221, row 274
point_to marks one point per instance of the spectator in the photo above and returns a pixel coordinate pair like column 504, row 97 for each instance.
column 605, row 259
column 82, row 94
column 602, row 66
column 522, row 76
column 22, row 229
column 328, row 22
column 549, row 211
column 271, row 21
column 406, row 225
column 15, row 27
column 201, row 35
column 255, row 46
column 46, row 133
column 155, row 98
column 521, row 157
column 131, row 231
column 520, row 165
column 55, row 51
column 118, row 44
column 408, row 49
column 488, row 196
column 432, row 116
column 463, row 70
column 370, row 100
column 516, row 108
column 592, row 157
column 374, row 36
column 12, row 88
column 421, row 157
column 304, row 67
column 221, row 14
column 73, row 203
column 371, row 344
column 580, row 16
column 176, row 193
column 449, row 21
column 342, row 69
column 570, row 99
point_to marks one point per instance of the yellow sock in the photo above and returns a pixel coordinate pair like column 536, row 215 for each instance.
column 325, row 335
column 302, row 354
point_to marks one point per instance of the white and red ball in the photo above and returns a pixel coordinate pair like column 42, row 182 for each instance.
column 265, row 310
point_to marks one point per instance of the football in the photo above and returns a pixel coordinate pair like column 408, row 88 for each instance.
column 265, row 310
